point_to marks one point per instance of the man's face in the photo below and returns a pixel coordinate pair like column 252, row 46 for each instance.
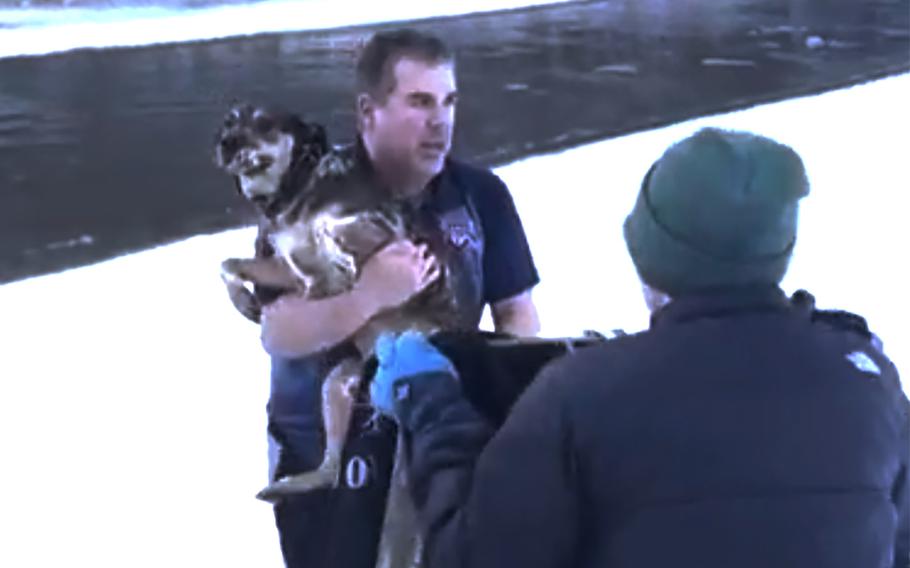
column 411, row 131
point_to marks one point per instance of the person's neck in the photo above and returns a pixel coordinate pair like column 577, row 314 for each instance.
column 400, row 180
column 403, row 186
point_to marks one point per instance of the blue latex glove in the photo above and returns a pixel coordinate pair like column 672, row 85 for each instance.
column 401, row 359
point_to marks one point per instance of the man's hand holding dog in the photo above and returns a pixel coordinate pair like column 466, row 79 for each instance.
column 294, row 326
column 394, row 275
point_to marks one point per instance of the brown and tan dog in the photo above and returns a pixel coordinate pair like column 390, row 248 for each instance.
column 271, row 156
column 319, row 238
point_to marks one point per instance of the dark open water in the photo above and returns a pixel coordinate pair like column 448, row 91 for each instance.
column 104, row 152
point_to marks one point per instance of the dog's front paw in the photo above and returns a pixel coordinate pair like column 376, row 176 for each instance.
column 242, row 298
column 232, row 271
column 245, row 302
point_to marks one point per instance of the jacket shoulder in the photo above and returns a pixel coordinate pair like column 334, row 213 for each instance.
column 838, row 320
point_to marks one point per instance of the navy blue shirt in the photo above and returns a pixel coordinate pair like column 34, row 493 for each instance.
column 472, row 213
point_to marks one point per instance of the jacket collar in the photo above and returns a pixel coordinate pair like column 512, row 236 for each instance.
column 721, row 303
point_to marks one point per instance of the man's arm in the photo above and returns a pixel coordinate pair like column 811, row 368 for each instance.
column 508, row 267
column 514, row 504
column 516, row 315
column 901, row 495
column 294, row 326
column 901, row 489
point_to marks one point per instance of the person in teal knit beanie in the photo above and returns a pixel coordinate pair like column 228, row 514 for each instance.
column 743, row 428
column 717, row 210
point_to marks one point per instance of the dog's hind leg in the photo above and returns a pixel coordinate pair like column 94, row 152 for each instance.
column 400, row 543
column 338, row 393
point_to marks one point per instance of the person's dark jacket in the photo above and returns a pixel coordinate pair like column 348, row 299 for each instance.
column 742, row 429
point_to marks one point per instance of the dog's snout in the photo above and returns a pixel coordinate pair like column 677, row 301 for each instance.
column 230, row 145
column 230, row 141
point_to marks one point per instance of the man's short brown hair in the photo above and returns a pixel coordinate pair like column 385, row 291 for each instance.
column 385, row 49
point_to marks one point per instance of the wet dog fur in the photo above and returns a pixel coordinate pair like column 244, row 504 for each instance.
column 322, row 222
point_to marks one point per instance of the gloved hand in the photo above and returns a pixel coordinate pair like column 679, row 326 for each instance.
column 401, row 359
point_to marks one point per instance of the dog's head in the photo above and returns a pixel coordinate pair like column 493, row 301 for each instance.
column 262, row 148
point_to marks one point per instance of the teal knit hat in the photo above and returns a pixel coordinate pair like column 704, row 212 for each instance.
column 717, row 210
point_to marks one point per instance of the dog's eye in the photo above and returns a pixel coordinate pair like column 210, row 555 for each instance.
column 234, row 118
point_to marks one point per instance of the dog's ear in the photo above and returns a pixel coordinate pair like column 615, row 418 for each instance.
column 310, row 141
column 319, row 138
column 222, row 153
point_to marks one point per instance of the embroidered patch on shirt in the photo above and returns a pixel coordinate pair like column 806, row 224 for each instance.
column 460, row 235
column 864, row 363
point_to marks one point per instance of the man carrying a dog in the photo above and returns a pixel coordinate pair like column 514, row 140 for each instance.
column 744, row 428
column 406, row 113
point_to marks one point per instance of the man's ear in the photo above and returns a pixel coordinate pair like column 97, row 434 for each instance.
column 365, row 109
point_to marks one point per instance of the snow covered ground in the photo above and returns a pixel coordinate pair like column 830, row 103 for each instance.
column 132, row 396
